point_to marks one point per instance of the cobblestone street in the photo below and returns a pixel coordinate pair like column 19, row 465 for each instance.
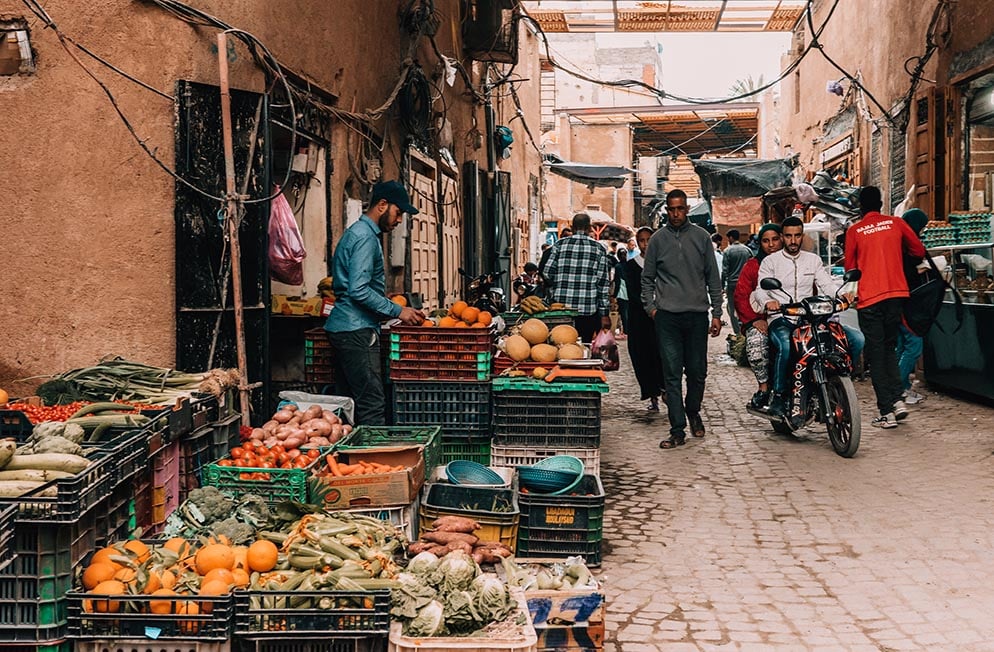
column 750, row 541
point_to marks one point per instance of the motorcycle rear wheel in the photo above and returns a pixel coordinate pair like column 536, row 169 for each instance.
column 845, row 428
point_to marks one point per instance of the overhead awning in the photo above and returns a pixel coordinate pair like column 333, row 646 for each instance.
column 743, row 177
column 593, row 176
column 577, row 16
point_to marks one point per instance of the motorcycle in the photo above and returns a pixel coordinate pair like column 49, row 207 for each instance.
column 821, row 387
column 484, row 292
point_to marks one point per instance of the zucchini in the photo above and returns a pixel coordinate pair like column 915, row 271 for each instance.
column 48, row 462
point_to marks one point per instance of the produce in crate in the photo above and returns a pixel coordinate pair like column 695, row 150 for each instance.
column 455, row 534
column 461, row 315
column 23, row 473
column 358, row 467
column 571, row 573
column 532, row 341
column 293, row 428
column 209, row 512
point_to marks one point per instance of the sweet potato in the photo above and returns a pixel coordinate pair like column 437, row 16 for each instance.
column 445, row 538
column 455, row 524
column 418, row 547
column 459, row 545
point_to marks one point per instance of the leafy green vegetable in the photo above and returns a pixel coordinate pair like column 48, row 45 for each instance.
column 493, row 600
column 422, row 563
column 410, row 596
column 455, row 572
column 430, row 621
column 461, row 615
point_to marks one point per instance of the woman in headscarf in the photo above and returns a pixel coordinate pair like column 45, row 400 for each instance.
column 909, row 344
column 642, row 345
column 752, row 323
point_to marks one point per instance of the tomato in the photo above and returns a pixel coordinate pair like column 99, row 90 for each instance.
column 267, row 465
column 248, row 446
column 302, row 461
column 282, row 459
column 277, row 449
column 237, row 452
column 313, row 453
column 225, row 463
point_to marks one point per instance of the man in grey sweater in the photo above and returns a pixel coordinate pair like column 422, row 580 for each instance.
column 680, row 284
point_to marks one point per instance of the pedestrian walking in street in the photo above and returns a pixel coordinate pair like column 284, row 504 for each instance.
column 680, row 284
column 733, row 259
column 877, row 246
column 754, row 324
column 909, row 344
column 719, row 257
column 643, row 346
column 353, row 327
column 801, row 275
column 544, row 260
column 578, row 274
column 619, row 290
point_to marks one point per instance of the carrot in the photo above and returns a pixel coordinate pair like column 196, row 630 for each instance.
column 333, row 465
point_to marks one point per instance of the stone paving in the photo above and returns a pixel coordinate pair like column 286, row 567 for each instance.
column 750, row 541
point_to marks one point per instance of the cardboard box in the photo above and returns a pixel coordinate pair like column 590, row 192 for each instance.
column 284, row 305
column 372, row 490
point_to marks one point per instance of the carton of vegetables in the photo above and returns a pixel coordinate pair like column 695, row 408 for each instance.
column 558, row 591
column 384, row 477
column 450, row 534
column 450, row 598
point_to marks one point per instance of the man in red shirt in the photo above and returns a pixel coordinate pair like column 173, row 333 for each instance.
column 876, row 245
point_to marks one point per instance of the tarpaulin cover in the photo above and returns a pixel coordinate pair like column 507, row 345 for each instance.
column 742, row 177
column 737, row 211
column 600, row 176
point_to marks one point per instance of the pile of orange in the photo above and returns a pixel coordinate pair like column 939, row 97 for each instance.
column 462, row 315
column 171, row 574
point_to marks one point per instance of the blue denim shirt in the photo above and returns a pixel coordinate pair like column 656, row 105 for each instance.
column 359, row 281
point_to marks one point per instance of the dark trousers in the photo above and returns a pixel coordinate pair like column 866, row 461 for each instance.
column 357, row 373
column 733, row 318
column 683, row 349
column 880, row 324
column 623, row 314
column 587, row 326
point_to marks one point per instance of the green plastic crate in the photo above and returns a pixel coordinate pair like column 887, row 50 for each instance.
column 282, row 484
column 473, row 450
column 367, row 437
column 501, row 384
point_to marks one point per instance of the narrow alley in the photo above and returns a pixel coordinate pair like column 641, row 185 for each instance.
column 750, row 541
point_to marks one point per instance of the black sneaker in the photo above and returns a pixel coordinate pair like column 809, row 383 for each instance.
column 778, row 405
column 759, row 399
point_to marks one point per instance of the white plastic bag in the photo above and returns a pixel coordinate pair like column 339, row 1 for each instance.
column 286, row 246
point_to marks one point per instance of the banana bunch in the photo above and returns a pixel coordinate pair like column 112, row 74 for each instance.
column 533, row 304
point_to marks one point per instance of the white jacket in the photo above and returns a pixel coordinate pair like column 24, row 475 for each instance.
column 802, row 276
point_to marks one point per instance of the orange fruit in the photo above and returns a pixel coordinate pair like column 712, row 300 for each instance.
column 470, row 314
column 214, row 555
column 457, row 308
column 105, row 554
column 138, row 549
column 98, row 572
column 262, row 556
column 446, row 322
column 479, row 324
column 162, row 606
column 484, row 318
column 240, row 554
column 212, row 588
column 190, row 609
column 461, row 324
column 399, row 299
column 168, row 579
column 4, row 397
column 152, row 584
column 220, row 575
column 126, row 575
column 428, row 323
column 241, row 577
column 110, row 587
column 181, row 547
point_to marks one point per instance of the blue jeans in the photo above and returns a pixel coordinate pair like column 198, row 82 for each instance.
column 780, row 331
column 909, row 349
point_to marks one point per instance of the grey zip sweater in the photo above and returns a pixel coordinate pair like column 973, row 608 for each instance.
column 680, row 272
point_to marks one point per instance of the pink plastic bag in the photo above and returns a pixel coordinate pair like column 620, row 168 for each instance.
column 286, row 246
column 605, row 348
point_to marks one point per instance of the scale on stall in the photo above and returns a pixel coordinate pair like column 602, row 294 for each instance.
column 577, row 370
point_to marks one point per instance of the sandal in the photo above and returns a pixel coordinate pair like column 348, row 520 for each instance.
column 672, row 442
column 696, row 425
column 653, row 405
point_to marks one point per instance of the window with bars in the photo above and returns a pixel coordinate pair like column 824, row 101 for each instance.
column 16, row 56
column 876, row 159
column 898, row 142
column 547, row 98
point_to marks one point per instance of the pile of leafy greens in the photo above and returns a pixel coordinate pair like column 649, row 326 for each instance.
column 448, row 597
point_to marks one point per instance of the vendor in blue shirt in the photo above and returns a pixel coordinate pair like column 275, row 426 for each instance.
column 353, row 327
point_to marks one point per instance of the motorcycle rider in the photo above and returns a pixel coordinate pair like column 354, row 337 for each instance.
column 802, row 274
column 528, row 283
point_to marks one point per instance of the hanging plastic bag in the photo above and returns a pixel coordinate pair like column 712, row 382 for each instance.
column 286, row 246
column 605, row 348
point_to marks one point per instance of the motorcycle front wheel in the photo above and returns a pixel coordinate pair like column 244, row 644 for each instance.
column 845, row 425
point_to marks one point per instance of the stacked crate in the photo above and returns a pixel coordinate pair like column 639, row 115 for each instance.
column 534, row 420
column 441, row 377
column 319, row 360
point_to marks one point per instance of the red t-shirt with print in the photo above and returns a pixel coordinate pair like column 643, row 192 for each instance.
column 876, row 246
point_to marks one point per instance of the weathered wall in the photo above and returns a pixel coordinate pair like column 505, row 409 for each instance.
column 89, row 254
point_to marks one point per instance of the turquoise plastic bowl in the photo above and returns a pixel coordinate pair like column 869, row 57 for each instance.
column 553, row 476
column 468, row 472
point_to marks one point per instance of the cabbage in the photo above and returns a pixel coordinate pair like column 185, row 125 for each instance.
column 409, row 596
column 422, row 564
column 455, row 572
column 430, row 621
column 493, row 600
column 461, row 615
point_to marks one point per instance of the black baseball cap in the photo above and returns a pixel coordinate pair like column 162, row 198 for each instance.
column 395, row 193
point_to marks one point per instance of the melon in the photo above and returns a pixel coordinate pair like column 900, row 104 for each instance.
column 534, row 330
column 564, row 334
column 570, row 352
column 543, row 353
column 517, row 348
column 539, row 373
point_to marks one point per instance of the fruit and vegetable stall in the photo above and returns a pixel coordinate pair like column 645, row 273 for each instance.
column 138, row 512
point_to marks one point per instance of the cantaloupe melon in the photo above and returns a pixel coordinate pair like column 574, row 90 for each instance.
column 570, row 352
column 535, row 331
column 517, row 348
column 539, row 373
column 544, row 353
column 564, row 334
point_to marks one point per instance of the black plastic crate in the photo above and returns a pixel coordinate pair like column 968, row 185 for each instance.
column 14, row 424
column 277, row 386
column 528, row 546
column 129, row 455
column 225, row 435
column 567, row 419
column 113, row 516
column 195, row 455
column 367, row 643
column 453, row 406
column 7, row 548
column 33, row 588
column 582, row 508
column 133, row 617
column 180, row 417
column 269, row 614
column 74, row 496
column 493, row 501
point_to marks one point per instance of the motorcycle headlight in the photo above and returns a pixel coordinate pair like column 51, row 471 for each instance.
column 821, row 307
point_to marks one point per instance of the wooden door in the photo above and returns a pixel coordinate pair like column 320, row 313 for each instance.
column 929, row 145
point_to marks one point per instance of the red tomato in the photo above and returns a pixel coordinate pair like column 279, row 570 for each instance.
column 302, row 461
column 277, row 449
column 282, row 458
column 237, row 452
column 224, row 463
column 267, row 465
column 313, row 453
column 248, row 446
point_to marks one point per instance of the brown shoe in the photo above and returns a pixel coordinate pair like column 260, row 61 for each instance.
column 696, row 425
